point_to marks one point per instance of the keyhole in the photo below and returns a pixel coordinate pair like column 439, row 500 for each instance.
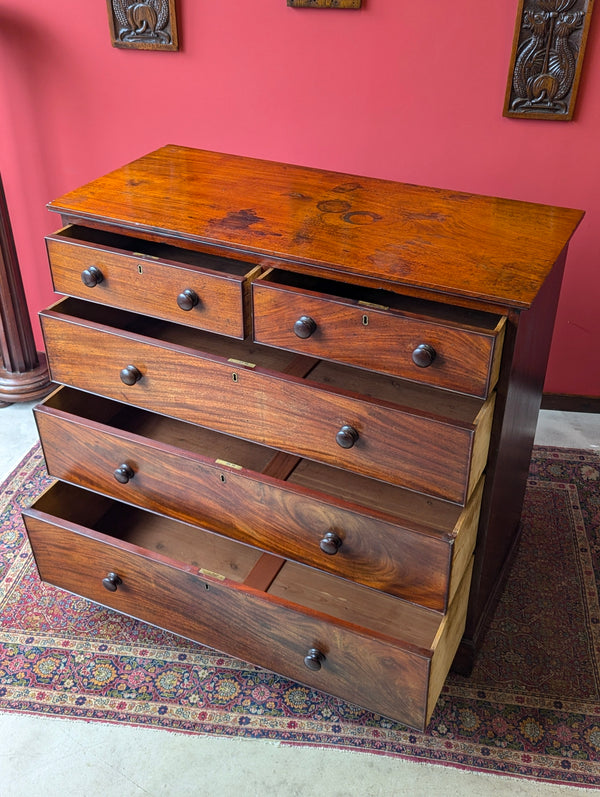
column 234, row 377
column 365, row 320
column 140, row 269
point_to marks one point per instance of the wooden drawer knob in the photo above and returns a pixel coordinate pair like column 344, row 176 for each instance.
column 92, row 276
column 187, row 299
column 305, row 326
column 346, row 437
column 111, row 582
column 124, row 473
column 423, row 355
column 331, row 543
column 314, row 659
column 130, row 375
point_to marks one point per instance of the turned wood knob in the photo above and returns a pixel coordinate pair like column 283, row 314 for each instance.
column 346, row 437
column 92, row 276
column 305, row 326
column 124, row 473
column 130, row 375
column 314, row 659
column 331, row 543
column 111, row 582
column 423, row 355
column 187, row 299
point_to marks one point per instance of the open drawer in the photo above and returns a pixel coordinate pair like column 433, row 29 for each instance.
column 425, row 341
column 363, row 646
column 415, row 436
column 380, row 535
column 164, row 281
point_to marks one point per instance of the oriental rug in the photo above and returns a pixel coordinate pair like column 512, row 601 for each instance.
column 531, row 707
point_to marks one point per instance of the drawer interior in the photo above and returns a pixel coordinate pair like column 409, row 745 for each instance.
column 387, row 500
column 162, row 251
column 170, row 539
column 418, row 398
column 210, row 555
column 421, row 309
column 243, row 352
column 160, row 428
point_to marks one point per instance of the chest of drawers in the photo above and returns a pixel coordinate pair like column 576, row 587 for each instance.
column 295, row 412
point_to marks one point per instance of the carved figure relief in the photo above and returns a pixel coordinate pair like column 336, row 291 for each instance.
column 146, row 25
column 547, row 57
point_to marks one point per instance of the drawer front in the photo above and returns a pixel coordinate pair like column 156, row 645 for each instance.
column 417, row 451
column 204, row 298
column 377, row 338
column 380, row 673
column 406, row 560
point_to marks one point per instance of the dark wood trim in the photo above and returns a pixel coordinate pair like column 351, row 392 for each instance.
column 566, row 402
column 519, row 393
column 23, row 372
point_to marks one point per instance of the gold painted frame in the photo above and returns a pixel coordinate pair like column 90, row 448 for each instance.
column 324, row 3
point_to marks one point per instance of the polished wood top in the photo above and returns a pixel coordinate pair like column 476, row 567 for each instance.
column 394, row 235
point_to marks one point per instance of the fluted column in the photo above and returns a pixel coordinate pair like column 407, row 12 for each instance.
column 23, row 371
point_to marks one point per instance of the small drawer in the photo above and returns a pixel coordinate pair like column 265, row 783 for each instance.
column 449, row 347
column 379, row 535
column 163, row 281
column 417, row 437
column 366, row 647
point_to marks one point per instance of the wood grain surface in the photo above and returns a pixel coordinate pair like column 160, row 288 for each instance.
column 410, row 447
column 386, row 672
column 382, row 549
column 380, row 232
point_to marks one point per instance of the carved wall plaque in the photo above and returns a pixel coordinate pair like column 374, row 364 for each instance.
column 547, row 57
column 324, row 3
column 148, row 25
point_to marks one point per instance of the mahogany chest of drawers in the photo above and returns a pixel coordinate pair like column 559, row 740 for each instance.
column 295, row 413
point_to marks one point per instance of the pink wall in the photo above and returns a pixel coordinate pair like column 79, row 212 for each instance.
column 403, row 90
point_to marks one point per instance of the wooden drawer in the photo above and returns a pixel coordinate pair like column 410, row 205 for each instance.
column 379, row 535
column 163, row 281
column 424, row 439
column 424, row 341
column 361, row 645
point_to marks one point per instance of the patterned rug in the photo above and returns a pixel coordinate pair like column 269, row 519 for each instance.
column 531, row 707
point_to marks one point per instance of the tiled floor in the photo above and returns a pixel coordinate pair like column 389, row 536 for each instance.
column 51, row 757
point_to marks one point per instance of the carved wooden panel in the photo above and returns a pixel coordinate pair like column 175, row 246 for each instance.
column 547, row 57
column 147, row 25
column 324, row 3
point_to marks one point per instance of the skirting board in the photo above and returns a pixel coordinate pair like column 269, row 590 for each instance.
column 569, row 403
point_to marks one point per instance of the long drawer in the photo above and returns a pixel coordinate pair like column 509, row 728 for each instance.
column 417, row 437
column 424, row 341
column 363, row 646
column 379, row 535
column 199, row 290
